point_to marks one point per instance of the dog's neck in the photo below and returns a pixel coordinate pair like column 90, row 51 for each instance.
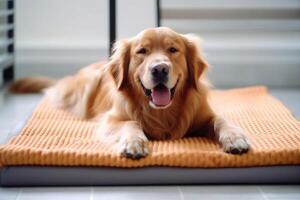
column 170, row 123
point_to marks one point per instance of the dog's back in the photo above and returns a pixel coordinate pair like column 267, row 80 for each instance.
column 86, row 93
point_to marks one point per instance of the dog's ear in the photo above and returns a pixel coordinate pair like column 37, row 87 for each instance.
column 119, row 63
column 197, row 65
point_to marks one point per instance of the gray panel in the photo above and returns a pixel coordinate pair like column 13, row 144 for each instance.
column 83, row 176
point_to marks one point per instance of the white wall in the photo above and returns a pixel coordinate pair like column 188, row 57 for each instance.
column 61, row 22
column 134, row 16
column 57, row 37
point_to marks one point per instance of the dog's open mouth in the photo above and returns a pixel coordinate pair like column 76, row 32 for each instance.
column 160, row 95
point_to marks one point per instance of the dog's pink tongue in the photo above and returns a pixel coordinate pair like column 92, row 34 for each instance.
column 161, row 96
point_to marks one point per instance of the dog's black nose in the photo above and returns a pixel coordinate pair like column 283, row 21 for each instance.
column 160, row 72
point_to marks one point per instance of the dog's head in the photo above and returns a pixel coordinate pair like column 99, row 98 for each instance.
column 157, row 64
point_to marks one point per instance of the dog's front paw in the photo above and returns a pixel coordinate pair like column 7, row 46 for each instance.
column 134, row 149
column 234, row 141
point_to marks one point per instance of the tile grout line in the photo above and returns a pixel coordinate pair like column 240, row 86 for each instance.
column 92, row 193
column 262, row 193
column 180, row 193
column 19, row 194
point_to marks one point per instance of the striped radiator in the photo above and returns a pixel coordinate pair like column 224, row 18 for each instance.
column 6, row 40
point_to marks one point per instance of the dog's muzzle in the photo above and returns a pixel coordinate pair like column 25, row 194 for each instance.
column 160, row 96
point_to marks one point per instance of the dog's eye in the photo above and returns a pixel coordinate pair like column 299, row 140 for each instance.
column 142, row 51
column 173, row 50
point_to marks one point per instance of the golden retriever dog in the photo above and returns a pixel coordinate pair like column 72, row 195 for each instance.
column 152, row 88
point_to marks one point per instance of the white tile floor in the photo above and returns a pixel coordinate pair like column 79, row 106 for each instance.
column 232, row 192
column 16, row 107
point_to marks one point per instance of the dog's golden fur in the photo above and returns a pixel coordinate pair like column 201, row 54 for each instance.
column 113, row 93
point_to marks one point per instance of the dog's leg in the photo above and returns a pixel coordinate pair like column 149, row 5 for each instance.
column 231, row 137
column 126, row 136
column 133, row 142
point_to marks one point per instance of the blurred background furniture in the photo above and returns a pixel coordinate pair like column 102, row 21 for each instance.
column 246, row 42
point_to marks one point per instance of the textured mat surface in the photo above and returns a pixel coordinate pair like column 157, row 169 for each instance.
column 55, row 137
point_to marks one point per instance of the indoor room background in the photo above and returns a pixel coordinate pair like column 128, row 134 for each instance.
column 246, row 42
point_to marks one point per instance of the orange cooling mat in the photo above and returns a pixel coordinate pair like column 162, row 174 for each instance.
column 55, row 137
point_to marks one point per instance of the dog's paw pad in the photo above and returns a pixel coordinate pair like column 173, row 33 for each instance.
column 238, row 145
column 135, row 150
